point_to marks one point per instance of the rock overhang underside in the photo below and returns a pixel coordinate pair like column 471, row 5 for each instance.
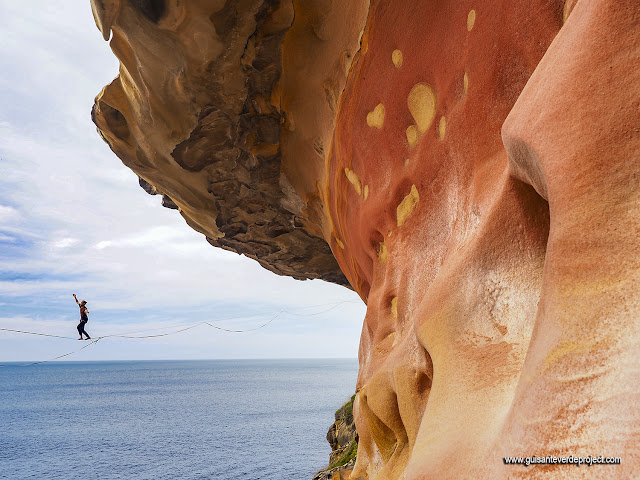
column 211, row 111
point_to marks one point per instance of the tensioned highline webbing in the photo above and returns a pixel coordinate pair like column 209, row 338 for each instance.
column 181, row 328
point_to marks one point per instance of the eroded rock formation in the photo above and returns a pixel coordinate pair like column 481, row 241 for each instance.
column 343, row 438
column 472, row 166
column 210, row 108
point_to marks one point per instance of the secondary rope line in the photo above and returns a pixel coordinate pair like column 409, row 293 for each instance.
column 166, row 327
column 189, row 327
column 313, row 314
column 152, row 336
column 93, row 342
column 242, row 331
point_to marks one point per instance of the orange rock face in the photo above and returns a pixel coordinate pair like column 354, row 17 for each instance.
column 447, row 249
column 474, row 168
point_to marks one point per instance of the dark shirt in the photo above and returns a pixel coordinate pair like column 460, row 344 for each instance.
column 83, row 313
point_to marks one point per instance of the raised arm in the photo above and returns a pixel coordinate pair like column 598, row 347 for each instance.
column 76, row 298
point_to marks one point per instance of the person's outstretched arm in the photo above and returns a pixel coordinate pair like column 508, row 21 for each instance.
column 74, row 296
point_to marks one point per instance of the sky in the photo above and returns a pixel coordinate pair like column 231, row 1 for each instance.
column 74, row 220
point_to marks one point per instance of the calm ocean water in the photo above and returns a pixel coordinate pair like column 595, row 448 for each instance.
column 231, row 420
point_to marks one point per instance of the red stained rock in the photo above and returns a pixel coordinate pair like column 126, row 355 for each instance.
column 458, row 275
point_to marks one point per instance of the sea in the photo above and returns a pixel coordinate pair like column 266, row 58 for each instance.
column 182, row 420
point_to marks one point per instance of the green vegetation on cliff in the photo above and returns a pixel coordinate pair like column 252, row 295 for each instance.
column 347, row 408
column 343, row 438
column 346, row 457
column 345, row 414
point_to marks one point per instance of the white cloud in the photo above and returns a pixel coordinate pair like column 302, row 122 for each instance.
column 8, row 214
column 65, row 242
column 103, row 244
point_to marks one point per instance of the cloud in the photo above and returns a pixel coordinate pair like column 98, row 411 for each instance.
column 18, row 288
column 103, row 244
column 8, row 214
column 65, row 242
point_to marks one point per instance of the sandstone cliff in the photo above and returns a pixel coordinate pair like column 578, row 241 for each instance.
column 470, row 168
column 343, row 438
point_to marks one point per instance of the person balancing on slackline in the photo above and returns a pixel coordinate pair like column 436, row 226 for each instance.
column 84, row 317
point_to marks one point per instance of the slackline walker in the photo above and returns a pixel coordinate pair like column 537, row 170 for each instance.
column 176, row 328
column 84, row 318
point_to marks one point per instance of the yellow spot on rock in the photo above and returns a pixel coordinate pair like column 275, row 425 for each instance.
column 339, row 242
column 382, row 251
column 396, row 58
column 375, row 118
column 466, row 83
column 406, row 162
column 412, row 136
column 471, row 20
column 442, row 127
column 366, row 192
column 422, row 105
column 394, row 307
column 407, row 205
column 565, row 349
column 391, row 337
column 354, row 179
